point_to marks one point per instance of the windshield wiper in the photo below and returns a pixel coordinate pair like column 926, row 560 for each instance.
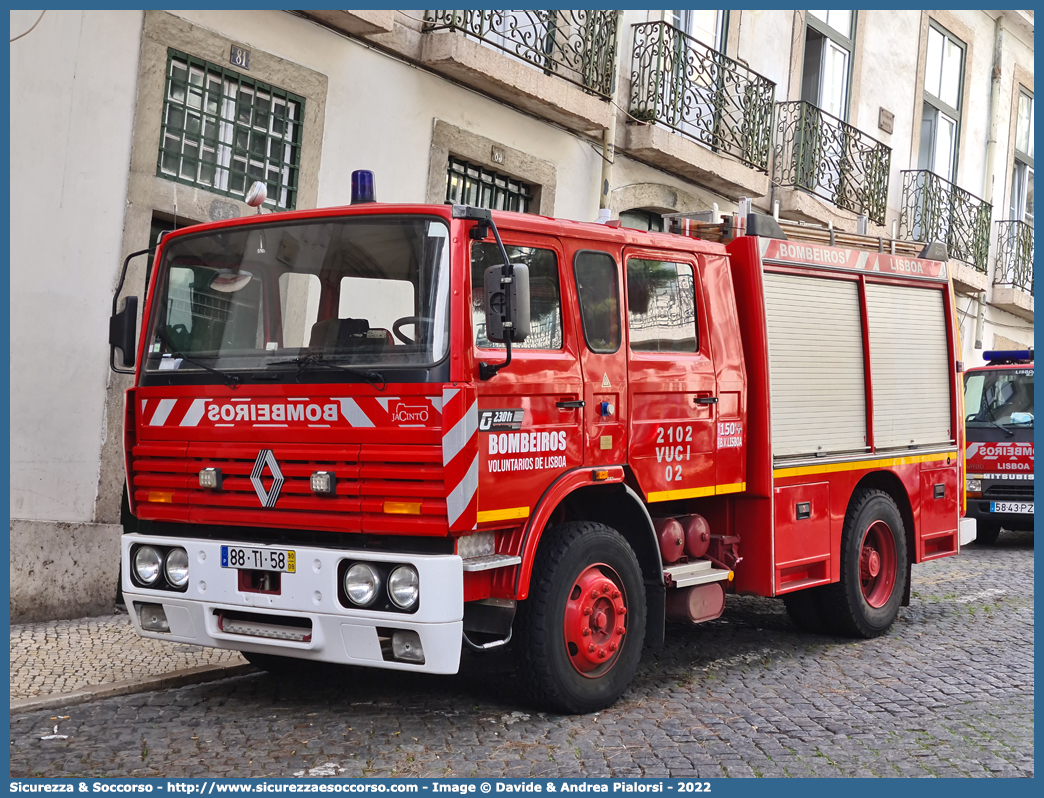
column 231, row 380
column 312, row 361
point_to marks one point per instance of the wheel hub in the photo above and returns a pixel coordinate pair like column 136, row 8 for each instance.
column 595, row 620
column 877, row 564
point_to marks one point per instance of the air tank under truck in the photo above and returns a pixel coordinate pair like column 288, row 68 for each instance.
column 379, row 434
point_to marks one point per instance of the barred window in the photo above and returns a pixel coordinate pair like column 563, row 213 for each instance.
column 222, row 131
column 467, row 184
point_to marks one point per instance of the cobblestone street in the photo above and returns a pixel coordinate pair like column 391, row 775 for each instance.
column 948, row 692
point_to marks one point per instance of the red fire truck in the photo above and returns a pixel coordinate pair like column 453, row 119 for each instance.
column 378, row 434
column 998, row 400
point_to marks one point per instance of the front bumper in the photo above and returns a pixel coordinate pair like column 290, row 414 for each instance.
column 338, row 634
column 979, row 509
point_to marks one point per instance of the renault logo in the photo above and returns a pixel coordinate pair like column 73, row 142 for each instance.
column 266, row 458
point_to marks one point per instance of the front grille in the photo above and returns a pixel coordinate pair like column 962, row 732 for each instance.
column 1017, row 492
column 367, row 475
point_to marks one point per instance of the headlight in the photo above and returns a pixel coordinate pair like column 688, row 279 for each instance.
column 404, row 587
column 176, row 567
column 361, row 583
column 973, row 485
column 147, row 565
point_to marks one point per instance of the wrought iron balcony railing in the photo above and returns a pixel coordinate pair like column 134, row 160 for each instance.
column 934, row 209
column 679, row 82
column 825, row 156
column 1014, row 256
column 575, row 45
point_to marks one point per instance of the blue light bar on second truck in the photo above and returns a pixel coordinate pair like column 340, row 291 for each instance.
column 1023, row 355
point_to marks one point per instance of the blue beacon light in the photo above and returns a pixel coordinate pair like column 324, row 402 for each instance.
column 363, row 188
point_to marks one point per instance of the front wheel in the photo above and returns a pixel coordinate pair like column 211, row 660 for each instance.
column 865, row 602
column 986, row 533
column 580, row 632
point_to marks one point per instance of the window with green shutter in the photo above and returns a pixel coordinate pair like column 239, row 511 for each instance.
column 222, row 131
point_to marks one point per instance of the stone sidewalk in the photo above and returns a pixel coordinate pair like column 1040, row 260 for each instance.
column 56, row 663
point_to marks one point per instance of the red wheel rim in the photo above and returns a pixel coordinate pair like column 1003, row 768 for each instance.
column 877, row 564
column 595, row 620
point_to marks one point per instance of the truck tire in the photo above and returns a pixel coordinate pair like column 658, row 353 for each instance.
column 805, row 608
column 580, row 632
column 987, row 533
column 865, row 602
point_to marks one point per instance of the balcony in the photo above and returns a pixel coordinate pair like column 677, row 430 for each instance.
column 721, row 109
column 1013, row 271
column 556, row 64
column 820, row 154
column 934, row 209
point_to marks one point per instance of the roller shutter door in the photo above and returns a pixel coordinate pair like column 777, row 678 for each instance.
column 815, row 341
column 909, row 366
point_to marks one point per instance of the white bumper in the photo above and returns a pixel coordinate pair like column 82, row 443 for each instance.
column 967, row 531
column 339, row 634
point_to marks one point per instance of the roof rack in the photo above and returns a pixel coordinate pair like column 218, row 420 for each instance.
column 701, row 225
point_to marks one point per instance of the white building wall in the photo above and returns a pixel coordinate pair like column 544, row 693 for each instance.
column 72, row 103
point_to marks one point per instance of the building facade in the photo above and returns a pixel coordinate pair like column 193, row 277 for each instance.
column 124, row 124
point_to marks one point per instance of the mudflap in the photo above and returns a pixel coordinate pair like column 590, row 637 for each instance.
column 655, row 614
column 906, row 593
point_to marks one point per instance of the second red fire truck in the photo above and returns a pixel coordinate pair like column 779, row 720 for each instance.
column 378, row 434
column 998, row 403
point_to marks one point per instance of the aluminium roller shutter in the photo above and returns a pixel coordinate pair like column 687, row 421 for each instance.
column 909, row 366
column 815, row 342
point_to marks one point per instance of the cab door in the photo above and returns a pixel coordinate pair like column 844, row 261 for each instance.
column 672, row 386
column 598, row 287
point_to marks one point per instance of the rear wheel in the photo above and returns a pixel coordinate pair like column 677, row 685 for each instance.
column 580, row 632
column 987, row 533
column 865, row 602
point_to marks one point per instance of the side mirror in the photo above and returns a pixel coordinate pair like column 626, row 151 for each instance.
column 497, row 303
column 123, row 328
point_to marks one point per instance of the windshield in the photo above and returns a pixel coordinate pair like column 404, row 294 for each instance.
column 363, row 291
column 999, row 397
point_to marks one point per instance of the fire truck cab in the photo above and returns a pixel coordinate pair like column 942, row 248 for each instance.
column 378, row 434
column 998, row 403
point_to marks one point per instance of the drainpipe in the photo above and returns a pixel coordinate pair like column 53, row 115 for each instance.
column 988, row 180
column 609, row 134
column 980, row 320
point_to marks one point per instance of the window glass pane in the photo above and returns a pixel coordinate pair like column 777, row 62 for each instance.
column 1024, row 126
column 661, row 308
column 925, row 150
column 381, row 303
column 820, row 15
column 841, row 21
column 835, row 74
column 545, row 298
column 1015, row 209
column 944, row 140
column 933, row 64
column 299, row 298
column 599, row 290
column 949, row 90
column 1027, row 214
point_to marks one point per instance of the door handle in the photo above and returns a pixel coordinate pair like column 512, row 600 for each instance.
column 706, row 400
column 569, row 405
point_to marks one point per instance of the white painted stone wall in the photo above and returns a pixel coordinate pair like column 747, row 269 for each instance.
column 72, row 100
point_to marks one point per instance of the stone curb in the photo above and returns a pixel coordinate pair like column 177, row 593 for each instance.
column 166, row 681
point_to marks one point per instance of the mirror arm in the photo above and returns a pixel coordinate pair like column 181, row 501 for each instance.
column 489, row 370
column 123, row 275
column 115, row 303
